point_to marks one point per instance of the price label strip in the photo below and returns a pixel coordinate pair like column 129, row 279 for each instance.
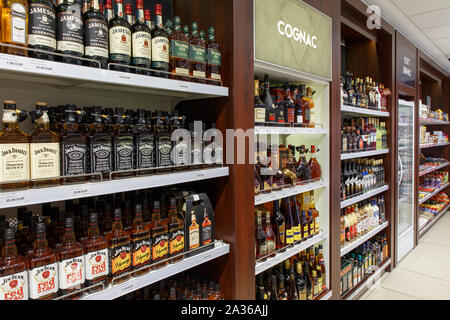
column 79, row 191
column 11, row 199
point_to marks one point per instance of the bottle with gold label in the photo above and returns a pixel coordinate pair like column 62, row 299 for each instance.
column 160, row 237
column 44, row 149
column 194, row 232
column 214, row 59
column 140, row 243
column 14, row 26
column 176, row 231
column 14, row 149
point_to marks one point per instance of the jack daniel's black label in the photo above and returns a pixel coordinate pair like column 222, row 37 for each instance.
column 163, row 152
column 123, row 154
column 101, row 157
column 145, row 153
column 74, row 159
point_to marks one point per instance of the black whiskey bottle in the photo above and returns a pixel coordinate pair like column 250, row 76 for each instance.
column 141, row 40
column 160, row 46
column 144, row 143
column 163, row 142
column 69, row 30
column 95, row 36
column 119, row 40
column 42, row 28
column 100, row 145
column 123, row 142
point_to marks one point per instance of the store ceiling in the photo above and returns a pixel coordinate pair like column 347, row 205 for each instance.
column 424, row 22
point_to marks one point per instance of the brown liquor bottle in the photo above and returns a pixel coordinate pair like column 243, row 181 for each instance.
column 160, row 237
column 95, row 254
column 141, row 41
column 42, row 268
column 194, row 232
column 197, row 56
column 14, row 149
column 70, row 262
column 176, row 231
column 179, row 53
column 214, row 59
column 119, row 249
column 140, row 243
column 14, row 25
column 44, row 149
column 13, row 274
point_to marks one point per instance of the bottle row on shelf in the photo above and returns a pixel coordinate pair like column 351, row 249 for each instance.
column 363, row 134
column 282, row 226
column 428, row 115
column 429, row 163
column 434, row 137
column 359, row 219
column 362, row 93
column 81, row 29
column 302, row 277
column 431, row 182
column 431, row 208
column 69, row 142
column 357, row 265
column 281, row 106
column 286, row 171
column 89, row 244
column 360, row 176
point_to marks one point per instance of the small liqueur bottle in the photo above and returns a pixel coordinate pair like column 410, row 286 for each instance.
column 314, row 165
column 44, row 149
column 123, row 141
column 14, row 26
column 100, row 145
column 160, row 46
column 119, row 40
column 176, row 231
column 109, row 13
column 71, row 269
column 160, row 237
column 260, row 109
column 141, row 41
column 179, row 53
column 214, row 59
column 95, row 255
column 69, row 27
column 14, row 148
column 194, row 232
column 119, row 249
column 144, row 142
column 42, row 28
column 141, row 243
column 13, row 274
column 197, row 50
column 207, row 229
column 96, row 36
column 74, row 148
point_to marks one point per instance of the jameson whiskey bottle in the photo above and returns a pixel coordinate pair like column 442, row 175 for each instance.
column 197, row 50
column 160, row 46
column 160, row 237
column 44, row 149
column 123, row 144
column 14, row 149
column 119, row 40
column 69, row 30
column 100, row 145
column 14, row 25
column 109, row 13
column 42, row 28
column 141, row 243
column 13, row 274
column 141, row 41
column 95, row 36
column 144, row 142
column 148, row 22
column 214, row 59
column 42, row 267
column 179, row 53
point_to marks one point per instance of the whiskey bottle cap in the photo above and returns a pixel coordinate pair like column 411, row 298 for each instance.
column 8, row 234
column 40, row 228
column 119, row 1
column 68, row 224
column 194, row 26
column 211, row 30
column 128, row 9
column 93, row 219
column 202, row 34
column 147, row 14
column 41, row 106
column 158, row 9
column 173, row 202
column 9, row 105
column 156, row 205
column 117, row 215
column 186, row 30
column 108, row 4
column 177, row 20
column 139, row 4
column 138, row 209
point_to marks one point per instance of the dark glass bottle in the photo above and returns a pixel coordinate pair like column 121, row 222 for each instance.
column 119, row 40
column 287, row 213
column 109, row 13
column 100, row 145
column 141, row 42
column 197, row 56
column 297, row 222
column 160, row 46
column 261, row 248
column 176, row 231
column 160, row 237
column 141, row 243
column 69, row 30
column 179, row 53
column 123, row 144
column 42, row 28
column 95, row 36
column 289, row 105
column 268, row 102
column 144, row 142
column 163, row 142
column 214, row 59
column 279, row 225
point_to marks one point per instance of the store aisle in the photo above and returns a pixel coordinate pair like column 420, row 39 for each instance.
column 423, row 274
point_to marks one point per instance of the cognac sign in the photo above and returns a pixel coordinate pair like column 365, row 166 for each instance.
column 291, row 34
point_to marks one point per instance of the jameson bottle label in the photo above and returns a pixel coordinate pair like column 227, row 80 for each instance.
column 160, row 52
column 163, row 156
column 74, row 159
column 101, row 157
column 18, row 23
column 160, row 247
column 176, row 245
column 119, row 44
column 69, row 31
column 124, row 154
column 141, row 250
column 142, row 47
column 197, row 53
column 145, row 153
column 96, row 264
column 120, row 259
column 95, row 38
column 41, row 25
column 14, row 286
column 43, row 281
column 44, row 160
column 15, row 163
column 71, row 272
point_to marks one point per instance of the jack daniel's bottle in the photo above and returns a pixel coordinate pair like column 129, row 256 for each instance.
column 123, row 144
column 144, row 142
column 163, row 144
column 100, row 145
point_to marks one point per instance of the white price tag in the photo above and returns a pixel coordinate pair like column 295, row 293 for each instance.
column 11, row 199
column 183, row 86
column 123, row 77
column 127, row 288
column 43, row 67
column 78, row 191
column 200, row 175
column 14, row 63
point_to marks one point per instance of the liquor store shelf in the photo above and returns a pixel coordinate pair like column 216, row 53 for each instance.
column 427, row 227
column 433, row 145
column 63, row 74
column 280, row 257
column 424, row 121
column 429, row 170
column 289, row 131
column 363, row 154
column 363, row 239
column 369, row 280
column 355, row 111
column 434, row 193
column 285, row 193
column 66, row 192
column 326, row 296
column 364, row 196
column 116, row 291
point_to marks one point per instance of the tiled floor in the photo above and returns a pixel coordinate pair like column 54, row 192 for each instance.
column 423, row 274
